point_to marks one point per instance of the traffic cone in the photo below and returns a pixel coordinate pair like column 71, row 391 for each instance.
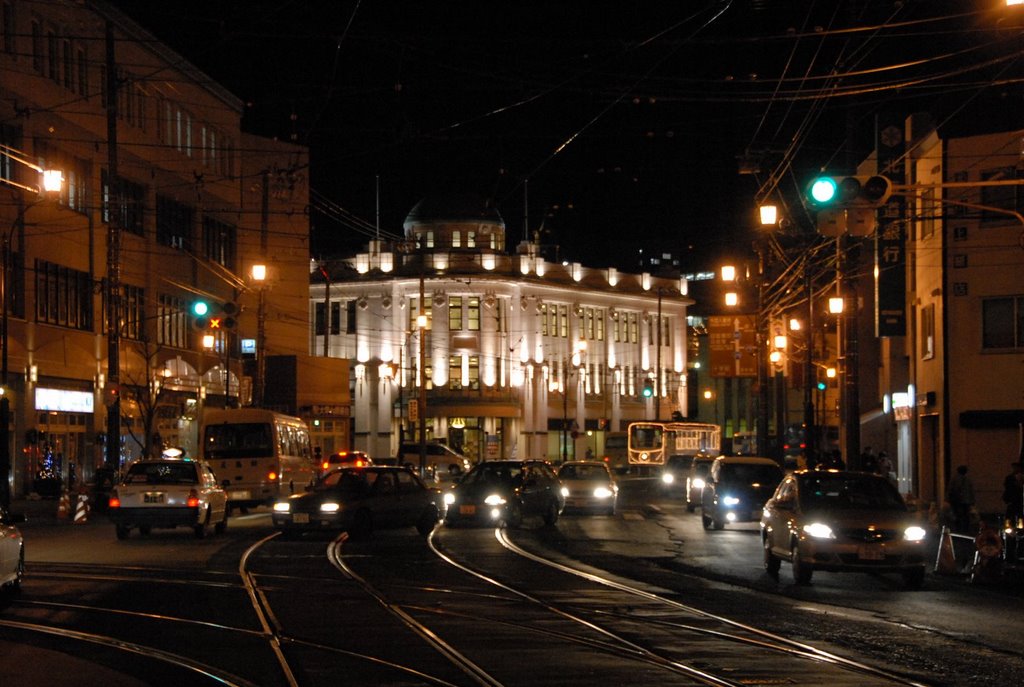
column 82, row 509
column 64, row 506
column 945, row 562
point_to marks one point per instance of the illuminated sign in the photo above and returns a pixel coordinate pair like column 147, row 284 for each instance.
column 64, row 401
column 248, row 346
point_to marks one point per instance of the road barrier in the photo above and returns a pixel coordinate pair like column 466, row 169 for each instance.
column 82, row 509
column 64, row 505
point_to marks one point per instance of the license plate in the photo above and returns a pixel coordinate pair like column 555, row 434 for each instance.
column 871, row 553
column 240, row 495
column 300, row 518
column 467, row 510
column 153, row 497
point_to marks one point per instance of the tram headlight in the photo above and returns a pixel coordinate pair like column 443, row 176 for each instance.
column 449, row 498
column 282, row 507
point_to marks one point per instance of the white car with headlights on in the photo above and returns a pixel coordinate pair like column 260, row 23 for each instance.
column 590, row 486
column 838, row 520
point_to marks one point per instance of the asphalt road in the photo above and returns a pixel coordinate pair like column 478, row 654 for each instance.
column 183, row 595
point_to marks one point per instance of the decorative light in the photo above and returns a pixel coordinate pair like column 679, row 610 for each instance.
column 727, row 273
column 769, row 215
column 732, row 299
column 835, row 305
column 53, row 180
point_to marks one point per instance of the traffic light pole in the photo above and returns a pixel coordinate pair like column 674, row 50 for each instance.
column 113, row 447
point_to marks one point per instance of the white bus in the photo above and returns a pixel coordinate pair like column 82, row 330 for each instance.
column 258, row 455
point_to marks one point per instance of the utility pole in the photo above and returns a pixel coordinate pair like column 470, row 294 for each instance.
column 113, row 449
column 422, row 409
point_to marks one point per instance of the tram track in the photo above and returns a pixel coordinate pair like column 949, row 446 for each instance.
column 620, row 629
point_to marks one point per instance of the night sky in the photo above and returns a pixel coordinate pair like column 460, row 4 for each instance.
column 626, row 125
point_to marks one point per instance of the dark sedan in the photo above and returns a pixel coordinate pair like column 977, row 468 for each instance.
column 505, row 492
column 360, row 500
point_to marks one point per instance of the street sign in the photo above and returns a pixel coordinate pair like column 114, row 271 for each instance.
column 414, row 410
column 732, row 341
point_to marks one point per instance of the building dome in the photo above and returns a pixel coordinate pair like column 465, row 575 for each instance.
column 453, row 209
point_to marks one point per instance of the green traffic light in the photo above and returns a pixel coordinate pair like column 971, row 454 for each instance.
column 824, row 190
column 200, row 308
column 821, row 386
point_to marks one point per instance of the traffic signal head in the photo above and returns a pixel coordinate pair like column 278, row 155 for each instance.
column 209, row 315
column 849, row 191
column 648, row 389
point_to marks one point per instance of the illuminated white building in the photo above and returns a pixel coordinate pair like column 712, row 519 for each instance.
column 523, row 357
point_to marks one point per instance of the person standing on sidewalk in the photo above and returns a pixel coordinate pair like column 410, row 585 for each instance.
column 1013, row 494
column 961, row 498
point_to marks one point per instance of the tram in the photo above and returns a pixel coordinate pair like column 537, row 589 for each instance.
column 653, row 443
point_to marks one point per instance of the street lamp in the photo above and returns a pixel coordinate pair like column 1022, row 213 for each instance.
column 50, row 184
column 259, row 276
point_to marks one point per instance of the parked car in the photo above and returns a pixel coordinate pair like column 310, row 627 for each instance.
column 12, row 551
column 736, row 489
column 438, row 455
column 842, row 521
column 168, row 492
column 499, row 492
column 360, row 500
column 589, row 485
column 340, row 459
column 695, row 480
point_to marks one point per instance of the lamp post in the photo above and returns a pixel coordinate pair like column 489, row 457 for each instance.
column 259, row 276
column 52, row 181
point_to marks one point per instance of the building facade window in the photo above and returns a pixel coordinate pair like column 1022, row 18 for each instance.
column 171, row 321
column 318, row 318
column 1010, row 198
column 563, row 321
column 350, row 317
column 473, row 314
column 927, row 338
column 174, row 223
column 130, row 203
column 456, row 239
column 544, row 319
column 455, row 314
column 63, row 296
column 219, row 241
column 133, row 312
column 1002, row 323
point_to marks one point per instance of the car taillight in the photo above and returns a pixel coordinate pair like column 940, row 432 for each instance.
column 359, row 463
column 272, row 476
column 193, row 499
column 325, row 465
column 114, row 501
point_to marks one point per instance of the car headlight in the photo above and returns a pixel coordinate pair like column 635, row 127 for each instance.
column 730, row 501
column 565, row 492
column 698, row 483
column 914, row 533
column 602, row 493
column 667, row 477
column 818, row 530
column 495, row 500
column 282, row 507
column 329, row 507
column 449, row 498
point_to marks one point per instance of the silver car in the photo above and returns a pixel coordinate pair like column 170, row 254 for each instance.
column 12, row 551
column 168, row 492
column 590, row 486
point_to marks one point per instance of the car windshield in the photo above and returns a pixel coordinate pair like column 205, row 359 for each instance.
column 347, row 482
column 585, row 472
column 161, row 473
column 848, row 492
column 493, row 473
column 751, row 474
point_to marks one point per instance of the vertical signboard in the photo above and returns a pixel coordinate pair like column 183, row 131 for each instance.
column 732, row 340
column 890, row 241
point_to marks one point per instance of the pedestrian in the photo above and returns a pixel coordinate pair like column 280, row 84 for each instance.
column 1013, row 494
column 961, row 498
column 590, row 453
column 883, row 465
column 868, row 460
